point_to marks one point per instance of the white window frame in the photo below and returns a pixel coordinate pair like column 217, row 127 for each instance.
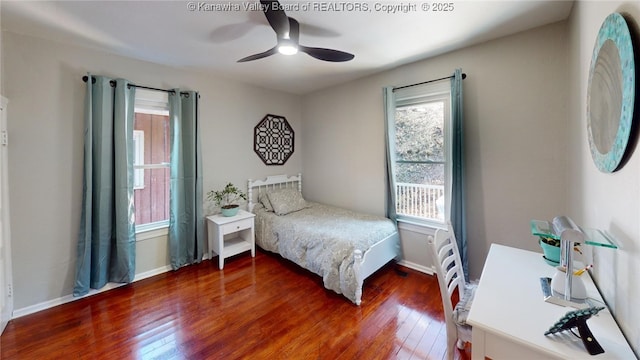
column 138, row 159
column 432, row 92
column 155, row 103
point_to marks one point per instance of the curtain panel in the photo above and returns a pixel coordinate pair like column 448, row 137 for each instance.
column 106, row 240
column 458, row 216
column 186, row 220
column 389, row 127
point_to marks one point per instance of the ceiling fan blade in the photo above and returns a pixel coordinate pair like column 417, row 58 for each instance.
column 260, row 55
column 276, row 17
column 326, row 54
column 294, row 30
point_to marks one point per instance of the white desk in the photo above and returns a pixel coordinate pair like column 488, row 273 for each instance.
column 509, row 316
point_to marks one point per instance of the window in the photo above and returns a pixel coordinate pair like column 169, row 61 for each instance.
column 422, row 161
column 151, row 159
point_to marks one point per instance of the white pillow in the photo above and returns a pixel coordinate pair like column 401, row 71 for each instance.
column 285, row 201
column 264, row 200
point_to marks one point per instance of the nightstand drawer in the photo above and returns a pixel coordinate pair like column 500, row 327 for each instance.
column 237, row 226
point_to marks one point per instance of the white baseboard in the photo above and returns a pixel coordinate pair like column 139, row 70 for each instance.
column 154, row 272
column 69, row 298
column 417, row 267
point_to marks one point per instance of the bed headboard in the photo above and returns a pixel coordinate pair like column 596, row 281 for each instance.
column 256, row 187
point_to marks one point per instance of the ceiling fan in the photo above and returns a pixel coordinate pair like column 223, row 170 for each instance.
column 287, row 31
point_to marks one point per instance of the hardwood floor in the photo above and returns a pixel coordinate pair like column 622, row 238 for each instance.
column 258, row 308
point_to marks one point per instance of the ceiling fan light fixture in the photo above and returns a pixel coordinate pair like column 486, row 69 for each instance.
column 287, row 48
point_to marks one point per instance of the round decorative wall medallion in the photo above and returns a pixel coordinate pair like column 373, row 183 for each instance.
column 273, row 140
column 611, row 94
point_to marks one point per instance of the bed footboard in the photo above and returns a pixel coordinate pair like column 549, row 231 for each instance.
column 376, row 257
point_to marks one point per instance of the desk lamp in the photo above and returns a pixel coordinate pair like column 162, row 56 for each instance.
column 564, row 282
column 565, row 288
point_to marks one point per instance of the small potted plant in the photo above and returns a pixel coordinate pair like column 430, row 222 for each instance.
column 551, row 249
column 227, row 198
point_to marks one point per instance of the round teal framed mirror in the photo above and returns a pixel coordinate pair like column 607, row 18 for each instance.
column 611, row 94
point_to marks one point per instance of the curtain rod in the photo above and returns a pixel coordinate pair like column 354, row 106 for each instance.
column 464, row 76
column 113, row 83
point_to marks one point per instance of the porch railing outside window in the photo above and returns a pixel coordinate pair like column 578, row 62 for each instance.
column 418, row 200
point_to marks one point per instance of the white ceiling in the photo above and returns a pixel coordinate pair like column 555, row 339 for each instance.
column 169, row 32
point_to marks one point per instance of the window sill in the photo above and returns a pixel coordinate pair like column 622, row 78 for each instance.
column 152, row 231
column 426, row 227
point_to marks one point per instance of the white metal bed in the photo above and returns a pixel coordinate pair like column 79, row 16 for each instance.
column 364, row 263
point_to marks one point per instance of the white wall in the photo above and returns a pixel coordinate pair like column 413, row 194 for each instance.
column 598, row 200
column 43, row 82
column 515, row 99
column 1, row 67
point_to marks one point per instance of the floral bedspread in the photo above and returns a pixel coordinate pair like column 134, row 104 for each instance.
column 321, row 239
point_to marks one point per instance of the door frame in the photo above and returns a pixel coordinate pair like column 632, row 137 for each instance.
column 6, row 291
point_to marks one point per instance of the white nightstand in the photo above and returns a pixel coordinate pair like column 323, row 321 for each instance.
column 241, row 240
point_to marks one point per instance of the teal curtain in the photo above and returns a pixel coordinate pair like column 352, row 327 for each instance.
column 389, row 127
column 186, row 220
column 458, row 192
column 106, row 249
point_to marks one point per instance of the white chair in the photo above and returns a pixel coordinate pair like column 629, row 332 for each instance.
column 446, row 260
